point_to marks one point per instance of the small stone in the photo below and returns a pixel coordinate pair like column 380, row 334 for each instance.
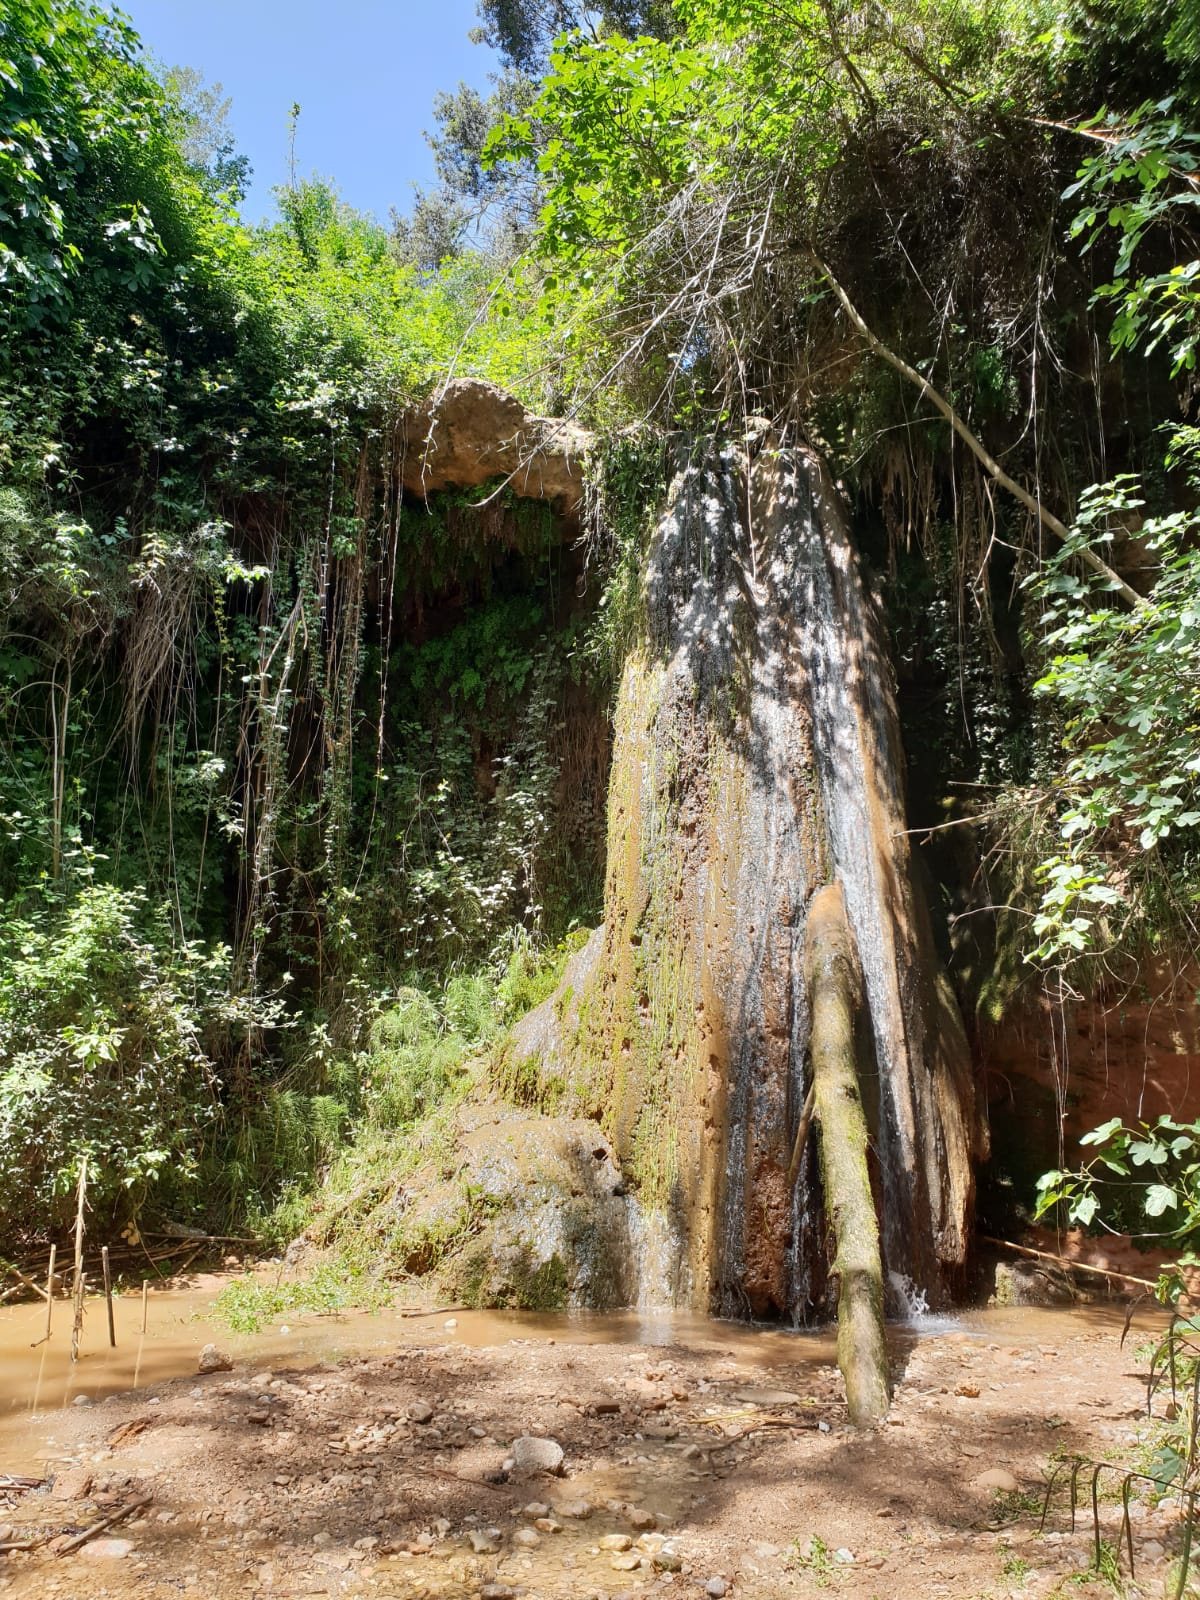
column 482, row 1543
column 497, row 1591
column 996, row 1478
column 450, row 1322
column 548, row 1525
column 421, row 1412
column 527, row 1537
column 717, row 1588
column 616, row 1541
column 578, row 1510
column 691, row 1452
column 668, row 1560
column 531, row 1454
column 107, row 1550
column 214, row 1360
column 626, row 1563
column 82, row 1400
column 535, row 1509
column 1152, row 1551
column 72, row 1485
column 844, row 1557
column 767, row 1397
column 968, row 1391
column 641, row 1518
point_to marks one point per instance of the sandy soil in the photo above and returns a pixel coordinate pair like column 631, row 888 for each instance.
column 722, row 1474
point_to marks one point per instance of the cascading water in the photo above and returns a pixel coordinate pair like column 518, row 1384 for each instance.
column 756, row 759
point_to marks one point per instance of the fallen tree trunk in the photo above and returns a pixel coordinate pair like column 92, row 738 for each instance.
column 835, row 997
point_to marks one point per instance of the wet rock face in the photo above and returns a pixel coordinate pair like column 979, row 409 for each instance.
column 533, row 1217
column 471, row 432
column 756, row 759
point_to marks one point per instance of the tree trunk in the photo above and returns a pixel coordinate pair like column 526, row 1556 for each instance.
column 835, row 996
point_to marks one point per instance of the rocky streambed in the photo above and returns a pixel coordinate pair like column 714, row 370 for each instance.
column 555, row 1466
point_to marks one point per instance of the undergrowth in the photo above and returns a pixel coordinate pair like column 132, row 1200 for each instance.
column 423, row 1052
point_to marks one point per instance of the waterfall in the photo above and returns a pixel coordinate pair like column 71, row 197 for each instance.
column 757, row 759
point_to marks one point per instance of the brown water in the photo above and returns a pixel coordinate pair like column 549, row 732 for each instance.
column 38, row 1380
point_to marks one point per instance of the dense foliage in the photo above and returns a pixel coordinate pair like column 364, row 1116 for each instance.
column 280, row 742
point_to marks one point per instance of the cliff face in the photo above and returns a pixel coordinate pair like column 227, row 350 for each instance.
column 756, row 760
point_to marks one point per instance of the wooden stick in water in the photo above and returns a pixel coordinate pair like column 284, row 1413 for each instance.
column 50, row 1289
column 145, row 1287
column 112, row 1327
column 77, row 1326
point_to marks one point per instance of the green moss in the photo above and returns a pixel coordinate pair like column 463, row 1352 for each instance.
column 522, row 1284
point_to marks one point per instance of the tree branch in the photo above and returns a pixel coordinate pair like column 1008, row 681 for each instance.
column 988, row 462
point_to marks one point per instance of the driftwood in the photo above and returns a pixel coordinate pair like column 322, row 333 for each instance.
column 835, row 996
column 1066, row 1261
column 110, row 1521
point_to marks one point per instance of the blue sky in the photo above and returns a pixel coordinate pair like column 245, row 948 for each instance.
column 365, row 73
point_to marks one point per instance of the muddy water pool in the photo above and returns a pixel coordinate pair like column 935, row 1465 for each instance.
column 38, row 1379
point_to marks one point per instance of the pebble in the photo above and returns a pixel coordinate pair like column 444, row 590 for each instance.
column 616, row 1541
column 72, row 1484
column 531, row 1454
column 213, row 1359
column 579, row 1510
column 641, row 1518
column 996, row 1478
column 626, row 1562
column 420, row 1411
column 107, row 1550
column 1152, row 1550
column 82, row 1400
column 717, row 1588
column 526, row 1537
column 548, row 1525
column 483, row 1543
column 535, row 1509
column 497, row 1591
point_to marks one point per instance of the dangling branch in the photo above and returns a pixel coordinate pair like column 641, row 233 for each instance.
column 989, row 463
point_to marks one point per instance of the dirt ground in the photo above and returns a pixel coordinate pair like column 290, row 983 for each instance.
column 685, row 1471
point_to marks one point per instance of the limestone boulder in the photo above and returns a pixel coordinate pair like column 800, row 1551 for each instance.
column 470, row 432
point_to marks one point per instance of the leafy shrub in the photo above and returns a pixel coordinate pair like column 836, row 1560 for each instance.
column 102, row 1022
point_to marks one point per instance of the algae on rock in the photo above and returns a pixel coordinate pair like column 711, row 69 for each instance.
column 756, row 760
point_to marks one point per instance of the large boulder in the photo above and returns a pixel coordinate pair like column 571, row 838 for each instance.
column 470, row 432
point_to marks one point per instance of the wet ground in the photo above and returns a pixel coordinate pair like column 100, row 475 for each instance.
column 377, row 1456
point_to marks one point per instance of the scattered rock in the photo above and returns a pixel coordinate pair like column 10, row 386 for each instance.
column 107, row 1550
column 535, row 1509
column 213, row 1359
column 668, row 1560
column 717, row 1588
column 82, row 1400
column 996, row 1478
column 531, row 1454
column 497, row 1591
column 578, row 1510
column 626, row 1563
column 421, row 1412
column 527, row 1537
column 72, row 1484
column 484, row 1542
column 548, row 1525
column 616, row 1541
column 641, row 1518
column 1152, row 1550
column 768, row 1397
